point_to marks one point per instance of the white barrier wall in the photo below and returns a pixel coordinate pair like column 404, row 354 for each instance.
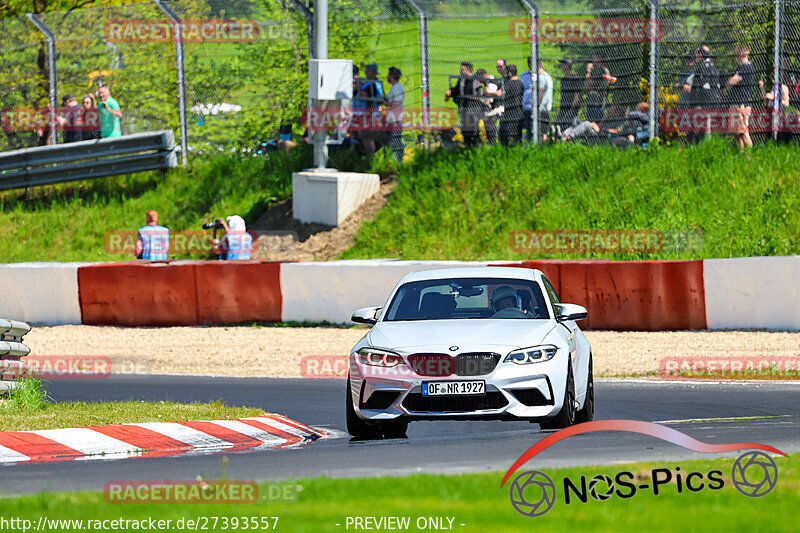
column 752, row 292
column 40, row 293
column 333, row 290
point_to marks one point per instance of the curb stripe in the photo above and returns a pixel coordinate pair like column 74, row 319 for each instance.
column 35, row 446
column 153, row 439
column 238, row 439
column 185, row 434
column 87, row 442
column 142, row 438
column 289, row 437
column 297, row 425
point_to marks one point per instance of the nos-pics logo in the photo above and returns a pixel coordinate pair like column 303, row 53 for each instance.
column 533, row 493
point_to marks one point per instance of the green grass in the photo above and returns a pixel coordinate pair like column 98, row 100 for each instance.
column 32, row 416
column 69, row 222
column 464, row 204
column 475, row 500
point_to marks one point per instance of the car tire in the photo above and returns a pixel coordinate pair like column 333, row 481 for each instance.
column 566, row 416
column 363, row 430
column 586, row 414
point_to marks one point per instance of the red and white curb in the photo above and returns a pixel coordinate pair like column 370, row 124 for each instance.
column 149, row 439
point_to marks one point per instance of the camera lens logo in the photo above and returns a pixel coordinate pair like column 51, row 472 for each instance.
column 541, row 493
column 595, row 491
column 754, row 474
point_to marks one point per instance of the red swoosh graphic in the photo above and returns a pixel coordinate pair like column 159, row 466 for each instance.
column 634, row 426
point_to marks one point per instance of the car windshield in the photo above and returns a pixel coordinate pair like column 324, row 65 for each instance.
column 441, row 299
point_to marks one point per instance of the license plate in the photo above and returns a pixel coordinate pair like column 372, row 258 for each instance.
column 453, row 388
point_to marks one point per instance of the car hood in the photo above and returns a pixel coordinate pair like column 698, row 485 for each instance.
column 466, row 334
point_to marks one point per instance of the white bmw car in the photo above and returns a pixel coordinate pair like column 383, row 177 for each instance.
column 469, row 343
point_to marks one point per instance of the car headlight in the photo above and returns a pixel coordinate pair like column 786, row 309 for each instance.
column 534, row 354
column 375, row 357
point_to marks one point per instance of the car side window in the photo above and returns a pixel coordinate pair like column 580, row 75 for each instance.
column 551, row 292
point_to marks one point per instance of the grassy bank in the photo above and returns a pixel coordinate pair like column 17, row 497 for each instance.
column 27, row 408
column 464, row 204
column 474, row 502
column 69, row 222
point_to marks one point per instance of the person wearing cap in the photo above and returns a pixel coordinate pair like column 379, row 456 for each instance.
column 152, row 242
column 236, row 243
column 570, row 96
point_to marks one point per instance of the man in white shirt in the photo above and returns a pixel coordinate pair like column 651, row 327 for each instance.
column 394, row 112
column 544, row 82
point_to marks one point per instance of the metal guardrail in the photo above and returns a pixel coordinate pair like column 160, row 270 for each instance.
column 11, row 352
column 100, row 158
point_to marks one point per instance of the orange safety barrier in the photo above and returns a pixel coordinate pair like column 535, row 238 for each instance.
column 632, row 295
column 163, row 293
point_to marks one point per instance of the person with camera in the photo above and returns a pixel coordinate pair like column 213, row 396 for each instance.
column 152, row 242
column 236, row 243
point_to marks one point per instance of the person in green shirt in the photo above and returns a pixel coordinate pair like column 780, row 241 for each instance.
column 110, row 114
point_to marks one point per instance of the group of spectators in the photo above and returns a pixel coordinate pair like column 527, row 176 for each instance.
column 87, row 120
column 703, row 87
column 504, row 105
column 152, row 240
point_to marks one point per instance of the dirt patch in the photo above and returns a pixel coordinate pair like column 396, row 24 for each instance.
column 277, row 352
column 288, row 239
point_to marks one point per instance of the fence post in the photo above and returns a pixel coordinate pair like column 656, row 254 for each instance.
column 423, row 65
column 52, row 74
column 654, row 33
column 776, row 65
column 533, row 11
column 181, row 78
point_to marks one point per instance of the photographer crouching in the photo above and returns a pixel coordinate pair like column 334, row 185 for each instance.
column 236, row 243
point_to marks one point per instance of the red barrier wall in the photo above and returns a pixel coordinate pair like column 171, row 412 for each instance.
column 180, row 293
column 632, row 295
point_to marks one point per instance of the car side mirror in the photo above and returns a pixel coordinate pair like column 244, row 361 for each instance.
column 366, row 315
column 570, row 312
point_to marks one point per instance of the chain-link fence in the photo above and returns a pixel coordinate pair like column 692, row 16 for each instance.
column 612, row 71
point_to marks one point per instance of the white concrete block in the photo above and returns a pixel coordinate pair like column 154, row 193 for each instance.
column 328, row 196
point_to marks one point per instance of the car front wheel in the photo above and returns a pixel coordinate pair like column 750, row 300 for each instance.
column 363, row 430
column 566, row 416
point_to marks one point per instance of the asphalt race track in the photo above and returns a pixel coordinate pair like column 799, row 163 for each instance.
column 767, row 413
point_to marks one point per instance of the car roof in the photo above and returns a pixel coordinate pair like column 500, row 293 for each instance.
column 473, row 272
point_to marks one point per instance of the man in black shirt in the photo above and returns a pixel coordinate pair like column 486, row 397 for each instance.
column 511, row 121
column 570, row 96
column 741, row 88
column 70, row 122
column 466, row 94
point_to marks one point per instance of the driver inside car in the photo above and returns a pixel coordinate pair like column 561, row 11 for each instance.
column 506, row 303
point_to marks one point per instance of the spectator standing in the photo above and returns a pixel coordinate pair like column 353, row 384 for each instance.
column 544, row 84
column 90, row 118
column 511, row 122
column 71, row 122
column 682, row 86
column 394, row 112
column 596, row 85
column 705, row 93
column 110, row 114
column 741, row 89
column 152, row 242
column 502, row 68
column 236, row 243
column 466, row 95
column 372, row 93
column 493, row 105
column 527, row 78
column 570, row 96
